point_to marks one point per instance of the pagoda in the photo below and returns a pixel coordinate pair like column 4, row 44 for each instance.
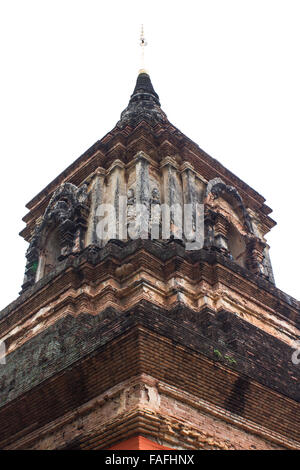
column 149, row 317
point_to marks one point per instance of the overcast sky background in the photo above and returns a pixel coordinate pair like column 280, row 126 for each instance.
column 227, row 73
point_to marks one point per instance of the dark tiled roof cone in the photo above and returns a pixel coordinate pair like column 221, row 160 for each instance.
column 144, row 104
column 144, row 89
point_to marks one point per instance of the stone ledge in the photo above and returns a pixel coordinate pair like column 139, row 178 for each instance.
column 163, row 251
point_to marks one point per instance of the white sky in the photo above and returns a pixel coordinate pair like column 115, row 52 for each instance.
column 227, row 73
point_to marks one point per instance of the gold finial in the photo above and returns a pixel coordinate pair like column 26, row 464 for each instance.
column 143, row 44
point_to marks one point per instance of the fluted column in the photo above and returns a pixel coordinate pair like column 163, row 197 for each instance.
column 256, row 255
column 173, row 200
column 97, row 192
column 221, row 227
column 142, row 195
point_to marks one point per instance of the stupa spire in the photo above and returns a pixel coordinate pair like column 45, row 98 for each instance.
column 144, row 102
column 143, row 44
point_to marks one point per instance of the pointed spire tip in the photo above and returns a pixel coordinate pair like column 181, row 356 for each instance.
column 143, row 44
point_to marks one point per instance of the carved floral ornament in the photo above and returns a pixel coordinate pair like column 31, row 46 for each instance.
column 217, row 188
column 223, row 223
column 66, row 214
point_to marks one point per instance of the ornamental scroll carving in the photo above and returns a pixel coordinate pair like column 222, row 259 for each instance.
column 63, row 225
column 216, row 187
column 235, row 238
